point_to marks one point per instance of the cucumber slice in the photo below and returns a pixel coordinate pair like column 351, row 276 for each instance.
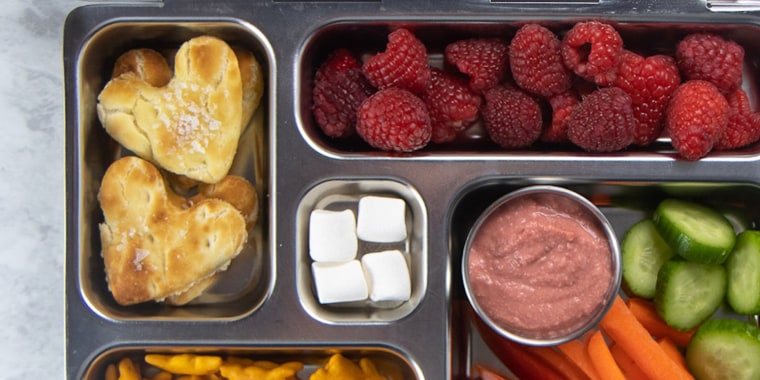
column 696, row 232
column 725, row 349
column 688, row 293
column 743, row 273
column 643, row 252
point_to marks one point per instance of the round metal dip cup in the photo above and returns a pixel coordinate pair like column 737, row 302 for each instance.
column 592, row 215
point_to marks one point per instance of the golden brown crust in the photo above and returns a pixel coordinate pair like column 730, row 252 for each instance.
column 148, row 64
column 193, row 292
column 153, row 67
column 192, row 125
column 239, row 193
column 236, row 191
column 253, row 83
column 154, row 244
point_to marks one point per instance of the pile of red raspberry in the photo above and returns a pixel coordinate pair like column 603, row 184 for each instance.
column 580, row 87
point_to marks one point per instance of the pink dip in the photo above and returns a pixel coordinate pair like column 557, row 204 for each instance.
column 540, row 266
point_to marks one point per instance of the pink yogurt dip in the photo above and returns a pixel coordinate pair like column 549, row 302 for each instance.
column 540, row 266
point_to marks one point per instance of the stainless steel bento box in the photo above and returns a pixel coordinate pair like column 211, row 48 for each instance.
column 265, row 304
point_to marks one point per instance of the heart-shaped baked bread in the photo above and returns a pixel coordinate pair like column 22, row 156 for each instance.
column 156, row 244
column 151, row 66
column 192, row 125
column 239, row 193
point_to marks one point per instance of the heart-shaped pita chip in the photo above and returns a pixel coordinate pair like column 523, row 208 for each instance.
column 156, row 244
column 190, row 126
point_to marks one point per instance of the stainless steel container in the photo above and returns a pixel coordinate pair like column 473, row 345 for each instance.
column 565, row 203
column 266, row 307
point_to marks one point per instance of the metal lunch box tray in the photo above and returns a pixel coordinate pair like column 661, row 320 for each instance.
column 265, row 305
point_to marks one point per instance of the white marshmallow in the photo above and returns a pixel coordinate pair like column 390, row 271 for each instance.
column 332, row 236
column 381, row 219
column 339, row 282
column 387, row 275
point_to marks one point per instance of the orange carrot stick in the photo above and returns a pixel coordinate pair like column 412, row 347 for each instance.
column 485, row 373
column 514, row 356
column 622, row 326
column 629, row 367
column 558, row 361
column 604, row 363
column 671, row 349
column 646, row 313
column 576, row 351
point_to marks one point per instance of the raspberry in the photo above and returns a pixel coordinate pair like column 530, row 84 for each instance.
column 339, row 88
column 484, row 60
column 606, row 78
column 603, row 121
column 743, row 125
column 709, row 57
column 512, row 118
column 650, row 82
column 536, row 62
column 452, row 105
column 562, row 108
column 695, row 118
column 592, row 49
column 394, row 119
column 404, row 63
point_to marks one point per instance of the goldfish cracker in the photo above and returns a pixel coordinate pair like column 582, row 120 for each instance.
column 163, row 375
column 259, row 370
column 112, row 373
column 369, row 369
column 185, row 364
column 128, row 370
column 236, row 360
column 265, row 364
column 198, row 377
column 294, row 366
column 239, row 361
column 340, row 368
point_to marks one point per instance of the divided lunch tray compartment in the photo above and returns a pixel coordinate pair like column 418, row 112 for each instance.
column 264, row 307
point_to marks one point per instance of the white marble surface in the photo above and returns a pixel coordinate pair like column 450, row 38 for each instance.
column 32, row 188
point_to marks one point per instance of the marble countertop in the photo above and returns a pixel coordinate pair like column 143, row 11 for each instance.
column 32, row 201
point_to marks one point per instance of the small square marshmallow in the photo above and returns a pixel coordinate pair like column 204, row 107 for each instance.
column 387, row 275
column 332, row 236
column 381, row 219
column 339, row 282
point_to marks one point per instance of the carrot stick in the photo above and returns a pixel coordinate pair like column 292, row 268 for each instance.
column 519, row 361
column 576, row 351
column 604, row 363
column 622, row 326
column 671, row 349
column 646, row 313
column 485, row 373
column 558, row 361
column 629, row 367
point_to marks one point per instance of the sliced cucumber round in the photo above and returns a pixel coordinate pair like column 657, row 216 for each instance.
column 743, row 272
column 643, row 252
column 725, row 349
column 688, row 293
column 696, row 232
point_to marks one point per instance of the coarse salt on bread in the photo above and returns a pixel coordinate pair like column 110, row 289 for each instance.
column 156, row 244
column 152, row 67
column 192, row 125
